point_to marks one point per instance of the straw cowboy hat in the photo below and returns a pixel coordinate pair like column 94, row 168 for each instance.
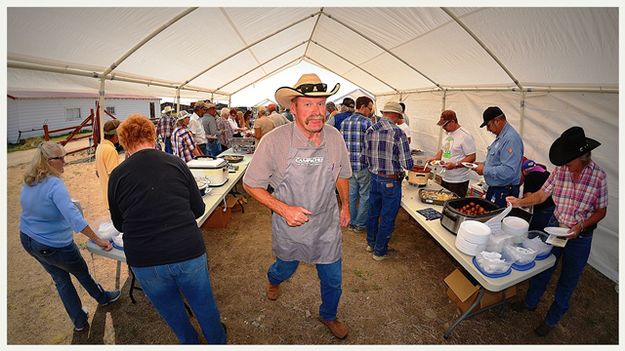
column 309, row 84
column 182, row 115
column 167, row 109
column 392, row 106
column 570, row 145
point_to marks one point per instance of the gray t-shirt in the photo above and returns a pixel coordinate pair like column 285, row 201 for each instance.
column 268, row 166
column 210, row 126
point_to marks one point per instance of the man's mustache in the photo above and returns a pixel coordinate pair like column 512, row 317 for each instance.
column 315, row 118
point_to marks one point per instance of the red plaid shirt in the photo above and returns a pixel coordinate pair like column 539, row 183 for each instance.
column 165, row 126
column 182, row 143
column 577, row 200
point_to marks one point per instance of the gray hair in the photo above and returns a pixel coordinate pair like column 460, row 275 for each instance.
column 224, row 111
column 585, row 158
column 39, row 167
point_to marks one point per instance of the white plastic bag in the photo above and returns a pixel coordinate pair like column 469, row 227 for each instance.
column 519, row 255
column 106, row 231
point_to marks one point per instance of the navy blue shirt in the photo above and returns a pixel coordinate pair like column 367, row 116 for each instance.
column 339, row 118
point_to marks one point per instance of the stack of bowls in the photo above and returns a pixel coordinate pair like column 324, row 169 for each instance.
column 517, row 227
column 472, row 237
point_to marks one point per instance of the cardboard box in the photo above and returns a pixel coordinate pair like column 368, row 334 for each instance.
column 463, row 293
column 219, row 218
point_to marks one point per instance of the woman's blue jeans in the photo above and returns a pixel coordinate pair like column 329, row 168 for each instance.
column 330, row 280
column 165, row 284
column 60, row 263
column 574, row 257
column 384, row 202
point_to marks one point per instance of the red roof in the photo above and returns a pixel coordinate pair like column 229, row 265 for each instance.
column 16, row 94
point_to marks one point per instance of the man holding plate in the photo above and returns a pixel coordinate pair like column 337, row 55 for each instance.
column 579, row 190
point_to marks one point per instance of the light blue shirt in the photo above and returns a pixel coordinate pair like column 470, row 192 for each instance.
column 503, row 159
column 48, row 214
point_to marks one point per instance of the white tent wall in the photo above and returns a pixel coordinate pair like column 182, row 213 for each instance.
column 545, row 116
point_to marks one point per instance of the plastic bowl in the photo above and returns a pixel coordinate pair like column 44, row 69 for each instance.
column 541, row 247
column 514, row 225
column 493, row 267
column 512, row 253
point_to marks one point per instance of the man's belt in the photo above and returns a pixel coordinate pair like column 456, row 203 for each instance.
column 390, row 175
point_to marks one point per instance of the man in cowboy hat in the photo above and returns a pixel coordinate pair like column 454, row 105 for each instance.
column 502, row 167
column 263, row 124
column 305, row 162
column 458, row 147
column 106, row 156
column 579, row 190
column 182, row 139
column 165, row 126
column 387, row 153
column 209, row 123
column 195, row 126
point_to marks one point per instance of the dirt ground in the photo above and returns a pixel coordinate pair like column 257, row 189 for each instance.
column 401, row 300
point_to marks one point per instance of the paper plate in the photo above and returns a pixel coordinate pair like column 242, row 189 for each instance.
column 557, row 231
column 490, row 275
column 469, row 165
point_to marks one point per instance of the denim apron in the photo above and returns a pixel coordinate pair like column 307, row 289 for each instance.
column 308, row 183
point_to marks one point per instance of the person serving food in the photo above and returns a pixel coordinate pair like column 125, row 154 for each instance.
column 579, row 190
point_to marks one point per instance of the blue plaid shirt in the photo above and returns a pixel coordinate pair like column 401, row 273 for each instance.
column 353, row 129
column 386, row 148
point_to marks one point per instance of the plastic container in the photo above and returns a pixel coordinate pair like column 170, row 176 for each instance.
column 492, row 267
column 536, row 241
column 518, row 254
column 496, row 243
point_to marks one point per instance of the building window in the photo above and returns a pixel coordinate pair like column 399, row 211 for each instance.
column 110, row 109
column 152, row 110
column 72, row 114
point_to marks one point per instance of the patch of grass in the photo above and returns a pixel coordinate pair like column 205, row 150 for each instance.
column 31, row 143
column 360, row 274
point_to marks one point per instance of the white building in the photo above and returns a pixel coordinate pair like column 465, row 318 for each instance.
column 28, row 110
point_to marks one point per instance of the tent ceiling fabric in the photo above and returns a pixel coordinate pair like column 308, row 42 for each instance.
column 541, row 47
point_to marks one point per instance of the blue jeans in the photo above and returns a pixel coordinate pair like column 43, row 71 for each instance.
column 168, row 147
column 213, row 148
column 329, row 277
column 60, row 263
column 497, row 194
column 359, row 187
column 574, row 257
column 165, row 284
column 384, row 202
column 540, row 218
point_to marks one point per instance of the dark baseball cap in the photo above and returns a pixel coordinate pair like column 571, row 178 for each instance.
column 349, row 102
column 491, row 113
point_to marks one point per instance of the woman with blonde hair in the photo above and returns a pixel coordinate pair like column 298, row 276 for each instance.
column 154, row 200
column 48, row 221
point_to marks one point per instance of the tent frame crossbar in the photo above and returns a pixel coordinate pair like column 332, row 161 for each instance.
column 331, row 70
column 383, row 49
column 249, row 46
column 355, row 65
column 115, row 64
column 526, row 90
column 267, row 75
column 483, row 45
column 262, row 64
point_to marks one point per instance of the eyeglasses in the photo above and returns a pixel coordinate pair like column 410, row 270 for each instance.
column 309, row 88
column 62, row 158
column 446, row 123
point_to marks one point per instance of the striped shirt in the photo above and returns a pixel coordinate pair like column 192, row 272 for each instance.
column 353, row 129
column 165, row 126
column 577, row 200
column 182, row 143
column 386, row 148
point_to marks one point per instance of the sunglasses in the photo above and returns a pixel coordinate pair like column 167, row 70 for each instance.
column 310, row 88
column 57, row 158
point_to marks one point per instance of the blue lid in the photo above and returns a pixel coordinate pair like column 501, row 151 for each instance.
column 524, row 267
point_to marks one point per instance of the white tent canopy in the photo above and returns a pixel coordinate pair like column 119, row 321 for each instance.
column 547, row 68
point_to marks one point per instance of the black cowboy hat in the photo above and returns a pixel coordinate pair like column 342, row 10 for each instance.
column 570, row 145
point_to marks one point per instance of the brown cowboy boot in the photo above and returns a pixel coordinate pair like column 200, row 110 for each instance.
column 273, row 292
column 338, row 329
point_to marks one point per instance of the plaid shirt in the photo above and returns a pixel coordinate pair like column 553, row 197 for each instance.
column 165, row 126
column 182, row 143
column 577, row 200
column 353, row 129
column 386, row 148
column 225, row 131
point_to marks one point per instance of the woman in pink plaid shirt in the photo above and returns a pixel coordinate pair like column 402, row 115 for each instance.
column 579, row 189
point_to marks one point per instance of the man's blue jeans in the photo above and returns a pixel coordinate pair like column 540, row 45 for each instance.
column 329, row 276
column 60, row 263
column 384, row 202
column 574, row 257
column 168, row 147
column 497, row 194
column 164, row 284
column 213, row 148
column 359, row 187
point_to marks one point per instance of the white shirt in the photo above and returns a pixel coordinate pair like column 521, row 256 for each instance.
column 195, row 126
column 406, row 128
column 456, row 146
column 233, row 123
